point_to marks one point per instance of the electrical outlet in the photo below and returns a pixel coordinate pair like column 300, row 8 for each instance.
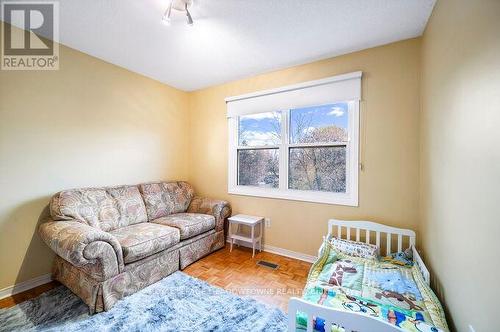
column 471, row 329
column 268, row 222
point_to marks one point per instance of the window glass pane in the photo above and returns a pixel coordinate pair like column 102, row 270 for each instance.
column 258, row 167
column 318, row 168
column 259, row 129
column 326, row 123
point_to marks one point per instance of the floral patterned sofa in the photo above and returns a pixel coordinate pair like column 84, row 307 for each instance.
column 112, row 242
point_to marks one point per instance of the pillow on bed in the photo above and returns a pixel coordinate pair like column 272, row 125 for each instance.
column 354, row 248
column 403, row 258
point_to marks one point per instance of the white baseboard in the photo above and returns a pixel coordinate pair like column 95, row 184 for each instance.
column 280, row 251
column 25, row 285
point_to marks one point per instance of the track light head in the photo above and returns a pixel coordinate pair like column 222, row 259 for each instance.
column 178, row 5
column 188, row 15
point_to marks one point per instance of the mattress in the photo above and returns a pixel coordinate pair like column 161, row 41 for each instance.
column 392, row 293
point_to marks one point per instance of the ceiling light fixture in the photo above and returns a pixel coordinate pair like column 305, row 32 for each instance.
column 179, row 5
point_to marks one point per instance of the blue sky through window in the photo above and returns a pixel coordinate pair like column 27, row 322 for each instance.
column 305, row 120
column 265, row 128
column 260, row 129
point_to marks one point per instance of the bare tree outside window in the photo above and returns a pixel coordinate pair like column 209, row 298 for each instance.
column 259, row 167
column 320, row 169
column 317, row 159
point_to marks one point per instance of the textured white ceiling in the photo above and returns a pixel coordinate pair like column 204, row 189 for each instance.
column 232, row 39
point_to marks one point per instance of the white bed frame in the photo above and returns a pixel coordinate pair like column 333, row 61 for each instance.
column 352, row 321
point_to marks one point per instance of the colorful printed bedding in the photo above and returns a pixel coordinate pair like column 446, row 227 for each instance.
column 393, row 293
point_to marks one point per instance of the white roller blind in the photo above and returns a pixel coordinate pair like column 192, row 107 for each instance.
column 344, row 87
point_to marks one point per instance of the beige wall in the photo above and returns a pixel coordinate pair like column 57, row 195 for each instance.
column 88, row 124
column 389, row 145
column 460, row 159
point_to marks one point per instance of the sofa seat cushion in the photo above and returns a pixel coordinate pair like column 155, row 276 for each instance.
column 189, row 224
column 145, row 239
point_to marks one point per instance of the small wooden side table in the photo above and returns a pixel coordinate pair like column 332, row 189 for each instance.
column 252, row 222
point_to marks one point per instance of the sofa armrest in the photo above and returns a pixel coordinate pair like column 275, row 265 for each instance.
column 219, row 209
column 98, row 253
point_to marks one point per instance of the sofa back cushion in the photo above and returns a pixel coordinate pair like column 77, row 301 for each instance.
column 165, row 198
column 103, row 208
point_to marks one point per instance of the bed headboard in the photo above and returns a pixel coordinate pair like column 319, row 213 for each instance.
column 356, row 227
column 367, row 228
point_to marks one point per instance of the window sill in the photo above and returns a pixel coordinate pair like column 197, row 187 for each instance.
column 297, row 195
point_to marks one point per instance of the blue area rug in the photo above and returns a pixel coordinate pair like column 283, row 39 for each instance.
column 176, row 303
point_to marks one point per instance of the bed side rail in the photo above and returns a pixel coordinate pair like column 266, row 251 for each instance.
column 350, row 321
column 421, row 266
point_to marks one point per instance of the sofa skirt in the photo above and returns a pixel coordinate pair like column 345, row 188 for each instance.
column 191, row 252
column 102, row 295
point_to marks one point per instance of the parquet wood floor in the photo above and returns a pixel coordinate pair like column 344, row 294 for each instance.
column 239, row 273
column 234, row 271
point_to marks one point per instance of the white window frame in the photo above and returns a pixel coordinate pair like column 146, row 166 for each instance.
column 350, row 197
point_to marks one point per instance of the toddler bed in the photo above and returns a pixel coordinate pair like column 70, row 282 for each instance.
column 350, row 291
